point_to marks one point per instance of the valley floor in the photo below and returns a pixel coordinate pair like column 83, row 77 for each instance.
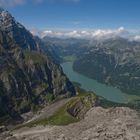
column 118, row 123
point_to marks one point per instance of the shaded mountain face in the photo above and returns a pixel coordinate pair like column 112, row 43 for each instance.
column 115, row 62
column 28, row 78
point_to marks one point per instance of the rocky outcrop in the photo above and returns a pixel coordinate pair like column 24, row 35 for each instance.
column 98, row 124
column 28, row 78
column 80, row 105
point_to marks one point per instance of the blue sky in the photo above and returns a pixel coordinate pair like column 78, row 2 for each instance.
column 75, row 14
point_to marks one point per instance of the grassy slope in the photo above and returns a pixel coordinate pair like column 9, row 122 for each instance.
column 62, row 117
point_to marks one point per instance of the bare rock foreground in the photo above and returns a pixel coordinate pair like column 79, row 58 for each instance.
column 99, row 124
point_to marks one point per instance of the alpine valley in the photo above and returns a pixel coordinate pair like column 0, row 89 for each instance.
column 114, row 61
column 39, row 102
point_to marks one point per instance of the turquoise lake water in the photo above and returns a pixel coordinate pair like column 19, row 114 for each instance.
column 108, row 92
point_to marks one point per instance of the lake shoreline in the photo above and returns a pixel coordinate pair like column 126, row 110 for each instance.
column 89, row 84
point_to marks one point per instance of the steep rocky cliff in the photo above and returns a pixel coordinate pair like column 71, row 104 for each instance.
column 28, row 78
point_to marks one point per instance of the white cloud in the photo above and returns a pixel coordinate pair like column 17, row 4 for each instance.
column 135, row 38
column 105, row 34
column 13, row 3
column 96, row 34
